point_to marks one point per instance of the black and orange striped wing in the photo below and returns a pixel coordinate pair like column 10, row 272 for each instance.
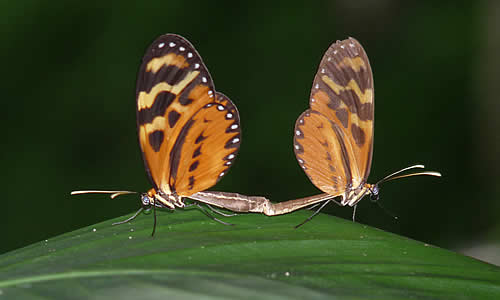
column 333, row 139
column 209, row 147
column 184, row 126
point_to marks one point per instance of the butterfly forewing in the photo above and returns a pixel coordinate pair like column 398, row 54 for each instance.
column 209, row 147
column 173, row 85
column 337, row 156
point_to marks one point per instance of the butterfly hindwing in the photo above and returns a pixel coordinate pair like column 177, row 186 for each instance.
column 209, row 148
column 319, row 152
column 342, row 102
column 172, row 86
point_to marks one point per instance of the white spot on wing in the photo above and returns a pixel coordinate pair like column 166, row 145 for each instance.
column 316, row 86
column 335, row 52
column 204, row 79
column 182, row 48
column 196, row 66
column 190, row 55
column 229, row 115
column 351, row 45
column 297, row 132
column 312, row 100
column 323, row 70
column 300, row 161
column 221, row 174
column 230, row 156
column 297, row 147
column 342, row 46
column 234, row 126
column 161, row 45
column 172, row 44
column 236, row 140
column 220, row 107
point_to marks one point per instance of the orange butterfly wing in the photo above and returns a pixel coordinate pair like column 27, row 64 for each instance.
column 173, row 96
column 318, row 149
column 333, row 140
column 209, row 148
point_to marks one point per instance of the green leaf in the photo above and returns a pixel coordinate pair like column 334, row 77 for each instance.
column 259, row 257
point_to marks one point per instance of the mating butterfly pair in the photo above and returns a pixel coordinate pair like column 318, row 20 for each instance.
column 189, row 134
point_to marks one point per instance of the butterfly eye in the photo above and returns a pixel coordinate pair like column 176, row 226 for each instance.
column 146, row 201
column 374, row 193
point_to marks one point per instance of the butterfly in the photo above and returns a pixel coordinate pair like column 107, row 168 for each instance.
column 333, row 139
column 189, row 134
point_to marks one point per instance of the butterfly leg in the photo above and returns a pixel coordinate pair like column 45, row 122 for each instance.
column 314, row 214
column 210, row 216
column 129, row 219
column 154, row 213
column 317, row 204
column 221, row 212
column 212, row 209
column 313, row 206
column 336, row 202
column 189, row 205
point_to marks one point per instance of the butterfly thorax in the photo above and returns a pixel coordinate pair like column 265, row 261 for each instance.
column 352, row 196
column 161, row 199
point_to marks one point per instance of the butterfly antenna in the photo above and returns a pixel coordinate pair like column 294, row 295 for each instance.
column 314, row 214
column 114, row 194
column 393, row 175
column 396, row 175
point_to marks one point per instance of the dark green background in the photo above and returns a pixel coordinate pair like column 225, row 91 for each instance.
column 68, row 86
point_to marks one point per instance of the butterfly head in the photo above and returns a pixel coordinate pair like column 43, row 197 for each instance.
column 374, row 192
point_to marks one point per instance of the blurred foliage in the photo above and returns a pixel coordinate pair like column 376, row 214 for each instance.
column 69, row 84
